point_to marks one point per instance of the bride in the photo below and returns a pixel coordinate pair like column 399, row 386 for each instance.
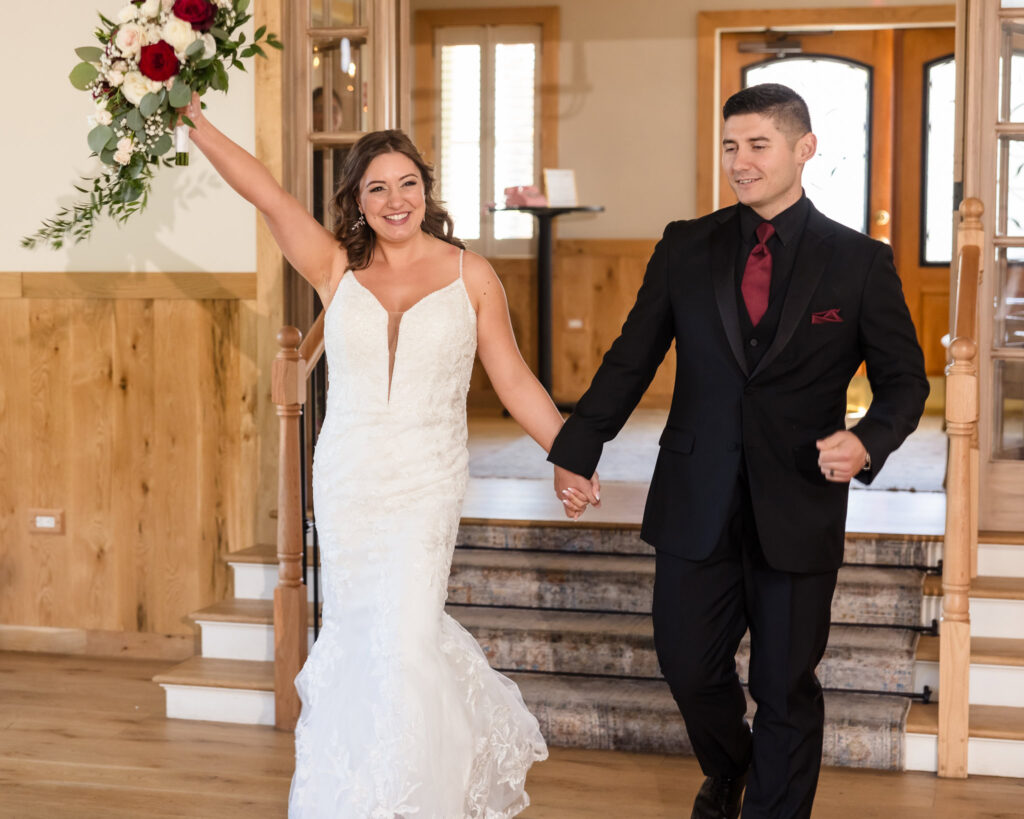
column 401, row 714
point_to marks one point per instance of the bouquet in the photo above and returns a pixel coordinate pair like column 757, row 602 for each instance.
column 148, row 64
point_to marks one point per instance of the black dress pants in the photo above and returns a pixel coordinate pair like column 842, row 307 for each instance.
column 701, row 611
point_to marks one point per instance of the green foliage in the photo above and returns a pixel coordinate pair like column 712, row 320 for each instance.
column 121, row 191
column 83, row 74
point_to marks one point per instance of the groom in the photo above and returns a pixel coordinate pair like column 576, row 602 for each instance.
column 772, row 307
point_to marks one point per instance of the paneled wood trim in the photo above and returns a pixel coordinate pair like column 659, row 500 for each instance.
column 97, row 643
column 424, row 126
column 132, row 285
column 606, row 247
column 10, row 285
column 710, row 24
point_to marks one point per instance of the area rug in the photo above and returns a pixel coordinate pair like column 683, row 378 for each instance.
column 917, row 466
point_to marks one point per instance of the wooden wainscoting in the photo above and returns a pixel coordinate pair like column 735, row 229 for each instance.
column 131, row 416
column 595, row 284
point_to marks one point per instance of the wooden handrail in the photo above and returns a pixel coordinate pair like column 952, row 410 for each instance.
column 288, row 391
column 960, row 546
column 313, row 345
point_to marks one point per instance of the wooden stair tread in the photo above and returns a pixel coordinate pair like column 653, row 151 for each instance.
column 241, row 610
column 986, row 721
column 991, row 588
column 250, row 675
column 261, row 554
column 552, row 561
column 984, row 650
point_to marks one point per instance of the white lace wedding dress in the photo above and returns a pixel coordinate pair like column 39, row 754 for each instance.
column 401, row 714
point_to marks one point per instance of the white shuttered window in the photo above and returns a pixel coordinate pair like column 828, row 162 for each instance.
column 489, row 140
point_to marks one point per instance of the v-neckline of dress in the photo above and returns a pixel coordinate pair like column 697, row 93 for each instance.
column 398, row 315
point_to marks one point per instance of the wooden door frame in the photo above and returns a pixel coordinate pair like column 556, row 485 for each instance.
column 712, row 24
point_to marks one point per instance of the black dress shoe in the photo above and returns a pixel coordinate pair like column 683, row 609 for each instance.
column 719, row 798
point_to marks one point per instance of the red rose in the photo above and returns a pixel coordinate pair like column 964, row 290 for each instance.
column 199, row 13
column 158, row 61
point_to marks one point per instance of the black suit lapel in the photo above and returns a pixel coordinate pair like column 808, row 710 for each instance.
column 811, row 258
column 723, row 272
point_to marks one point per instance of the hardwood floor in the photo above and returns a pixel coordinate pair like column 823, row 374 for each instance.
column 86, row 737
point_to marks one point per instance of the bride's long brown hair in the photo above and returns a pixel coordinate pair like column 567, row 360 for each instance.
column 357, row 237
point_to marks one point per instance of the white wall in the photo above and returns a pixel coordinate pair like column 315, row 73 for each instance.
column 628, row 76
column 194, row 222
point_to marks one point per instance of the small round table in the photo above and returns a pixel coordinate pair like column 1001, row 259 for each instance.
column 545, row 216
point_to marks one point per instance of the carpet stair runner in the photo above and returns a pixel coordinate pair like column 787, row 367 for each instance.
column 564, row 610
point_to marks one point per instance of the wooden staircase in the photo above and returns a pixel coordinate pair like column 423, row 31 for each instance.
column 563, row 610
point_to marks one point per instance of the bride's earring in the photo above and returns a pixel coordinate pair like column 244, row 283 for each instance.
column 358, row 223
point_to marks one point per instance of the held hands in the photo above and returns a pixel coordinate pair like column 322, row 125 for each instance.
column 841, row 456
column 576, row 492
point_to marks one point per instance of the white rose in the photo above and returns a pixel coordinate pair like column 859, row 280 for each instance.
column 103, row 117
column 209, row 46
column 128, row 13
column 151, row 8
column 115, row 77
column 123, row 157
column 130, row 39
column 179, row 34
column 136, row 85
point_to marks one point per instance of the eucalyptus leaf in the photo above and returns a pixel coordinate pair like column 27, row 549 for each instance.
column 241, row 6
column 134, row 120
column 194, row 50
column 83, row 74
column 219, row 33
column 112, row 142
column 220, row 78
column 180, row 94
column 91, row 54
column 137, row 166
column 162, row 145
column 149, row 105
column 107, row 156
column 99, row 137
column 131, row 190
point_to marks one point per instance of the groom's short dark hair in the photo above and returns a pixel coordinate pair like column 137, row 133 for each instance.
column 779, row 102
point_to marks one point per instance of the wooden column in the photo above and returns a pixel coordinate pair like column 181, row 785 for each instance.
column 959, row 551
column 288, row 388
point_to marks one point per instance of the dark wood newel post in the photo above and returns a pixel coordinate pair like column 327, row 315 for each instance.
column 288, row 391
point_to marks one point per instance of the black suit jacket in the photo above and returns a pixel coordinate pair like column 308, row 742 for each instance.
column 844, row 305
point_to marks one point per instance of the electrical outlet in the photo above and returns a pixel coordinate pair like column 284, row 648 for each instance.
column 46, row 521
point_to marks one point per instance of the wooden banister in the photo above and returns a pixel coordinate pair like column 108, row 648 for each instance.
column 959, row 558
column 288, row 391
column 313, row 345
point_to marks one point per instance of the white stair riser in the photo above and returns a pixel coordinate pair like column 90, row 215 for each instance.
column 257, row 581
column 1000, row 560
column 985, row 757
column 239, row 641
column 989, row 684
column 220, row 704
column 989, row 617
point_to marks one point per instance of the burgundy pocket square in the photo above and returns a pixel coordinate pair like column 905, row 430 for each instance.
column 827, row 317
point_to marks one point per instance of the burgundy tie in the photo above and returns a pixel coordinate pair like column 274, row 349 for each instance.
column 757, row 275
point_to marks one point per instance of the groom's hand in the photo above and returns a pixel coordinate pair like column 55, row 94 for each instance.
column 575, row 491
column 841, row 456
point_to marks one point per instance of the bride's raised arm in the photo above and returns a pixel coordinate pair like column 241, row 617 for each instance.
column 310, row 248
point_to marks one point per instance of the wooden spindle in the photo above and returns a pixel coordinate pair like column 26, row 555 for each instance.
column 959, row 561
column 288, row 391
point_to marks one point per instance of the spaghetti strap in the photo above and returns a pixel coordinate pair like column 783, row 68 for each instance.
column 462, row 250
